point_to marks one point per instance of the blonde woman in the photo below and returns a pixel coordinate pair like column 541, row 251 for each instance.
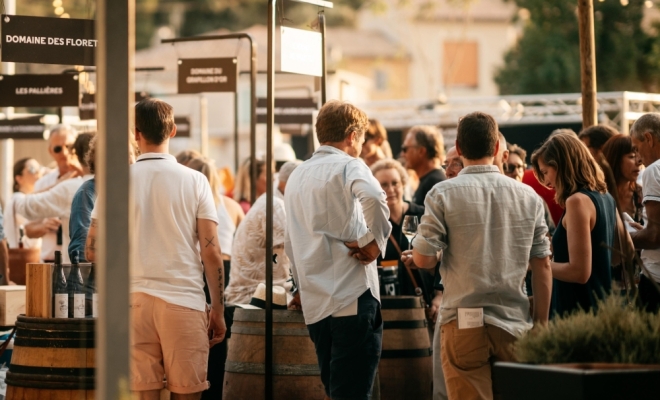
column 242, row 188
column 582, row 259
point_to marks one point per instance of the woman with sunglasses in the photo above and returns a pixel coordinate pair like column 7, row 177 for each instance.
column 26, row 172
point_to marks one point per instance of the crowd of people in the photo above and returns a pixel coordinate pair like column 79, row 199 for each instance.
column 500, row 247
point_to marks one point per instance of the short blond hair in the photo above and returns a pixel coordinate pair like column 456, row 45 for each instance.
column 391, row 164
column 337, row 119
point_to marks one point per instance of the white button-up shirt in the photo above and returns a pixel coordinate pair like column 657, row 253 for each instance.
column 331, row 199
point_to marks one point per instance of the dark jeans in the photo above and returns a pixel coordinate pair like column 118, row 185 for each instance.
column 348, row 350
column 648, row 294
column 218, row 353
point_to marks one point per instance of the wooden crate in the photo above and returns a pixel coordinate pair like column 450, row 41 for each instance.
column 39, row 290
column 12, row 303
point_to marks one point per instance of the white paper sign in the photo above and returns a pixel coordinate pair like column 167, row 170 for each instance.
column 301, row 52
column 470, row 318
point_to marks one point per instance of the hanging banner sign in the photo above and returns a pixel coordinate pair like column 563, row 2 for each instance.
column 30, row 90
column 182, row 126
column 22, row 128
column 301, row 52
column 87, row 108
column 288, row 110
column 203, row 75
column 45, row 40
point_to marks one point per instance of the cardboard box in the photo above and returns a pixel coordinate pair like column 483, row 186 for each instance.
column 12, row 303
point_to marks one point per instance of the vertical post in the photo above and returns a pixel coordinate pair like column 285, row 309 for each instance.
column 253, row 118
column 236, row 116
column 625, row 107
column 270, row 120
column 204, row 125
column 587, row 62
column 324, row 70
column 115, row 29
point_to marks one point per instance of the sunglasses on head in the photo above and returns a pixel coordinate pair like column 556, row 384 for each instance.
column 58, row 149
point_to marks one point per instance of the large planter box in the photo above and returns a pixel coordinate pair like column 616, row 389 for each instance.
column 514, row 381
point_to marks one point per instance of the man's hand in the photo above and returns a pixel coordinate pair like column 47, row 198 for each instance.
column 295, row 303
column 217, row 327
column 366, row 254
column 407, row 259
column 435, row 306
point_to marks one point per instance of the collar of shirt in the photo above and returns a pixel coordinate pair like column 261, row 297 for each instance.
column 163, row 156
column 330, row 150
column 479, row 169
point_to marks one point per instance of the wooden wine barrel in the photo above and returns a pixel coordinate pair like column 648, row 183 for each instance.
column 53, row 359
column 295, row 368
column 406, row 366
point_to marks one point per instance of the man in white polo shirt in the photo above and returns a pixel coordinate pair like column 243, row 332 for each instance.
column 175, row 220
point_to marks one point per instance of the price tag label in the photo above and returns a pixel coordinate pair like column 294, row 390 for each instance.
column 470, row 318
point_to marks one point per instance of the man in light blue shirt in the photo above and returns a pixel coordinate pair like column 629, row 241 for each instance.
column 337, row 225
column 489, row 228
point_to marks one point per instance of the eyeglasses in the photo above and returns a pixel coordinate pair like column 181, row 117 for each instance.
column 454, row 165
column 511, row 168
column 405, row 148
column 58, row 149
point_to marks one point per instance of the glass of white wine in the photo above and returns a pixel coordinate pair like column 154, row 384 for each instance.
column 409, row 228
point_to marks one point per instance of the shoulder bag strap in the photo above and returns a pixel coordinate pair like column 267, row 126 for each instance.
column 410, row 273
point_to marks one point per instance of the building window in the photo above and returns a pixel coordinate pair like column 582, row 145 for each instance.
column 380, row 80
column 460, row 64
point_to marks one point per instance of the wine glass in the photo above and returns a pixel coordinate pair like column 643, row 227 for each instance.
column 409, row 228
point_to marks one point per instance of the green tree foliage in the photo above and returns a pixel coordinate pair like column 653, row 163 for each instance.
column 547, row 60
column 201, row 16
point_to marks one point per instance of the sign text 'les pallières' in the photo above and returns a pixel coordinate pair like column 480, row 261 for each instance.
column 31, row 90
column 45, row 40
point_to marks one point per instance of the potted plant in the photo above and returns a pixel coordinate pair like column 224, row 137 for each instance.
column 611, row 353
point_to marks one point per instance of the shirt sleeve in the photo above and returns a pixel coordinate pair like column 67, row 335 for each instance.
column 374, row 207
column 651, row 184
column 81, row 219
column 95, row 209
column 432, row 231
column 541, row 243
column 206, row 208
column 54, row 202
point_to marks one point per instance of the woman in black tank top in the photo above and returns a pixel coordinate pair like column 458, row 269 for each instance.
column 581, row 264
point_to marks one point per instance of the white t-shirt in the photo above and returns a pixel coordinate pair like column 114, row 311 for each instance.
column 49, row 240
column 167, row 199
column 651, row 191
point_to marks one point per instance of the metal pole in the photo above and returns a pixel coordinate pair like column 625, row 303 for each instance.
column 587, row 62
column 270, row 120
column 253, row 119
column 204, row 125
column 324, row 72
column 115, row 29
column 236, row 157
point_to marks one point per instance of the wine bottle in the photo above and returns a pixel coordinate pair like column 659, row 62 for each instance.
column 74, row 287
column 91, row 297
column 60, row 294
column 21, row 235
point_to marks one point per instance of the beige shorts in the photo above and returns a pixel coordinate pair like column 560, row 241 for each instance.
column 167, row 341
